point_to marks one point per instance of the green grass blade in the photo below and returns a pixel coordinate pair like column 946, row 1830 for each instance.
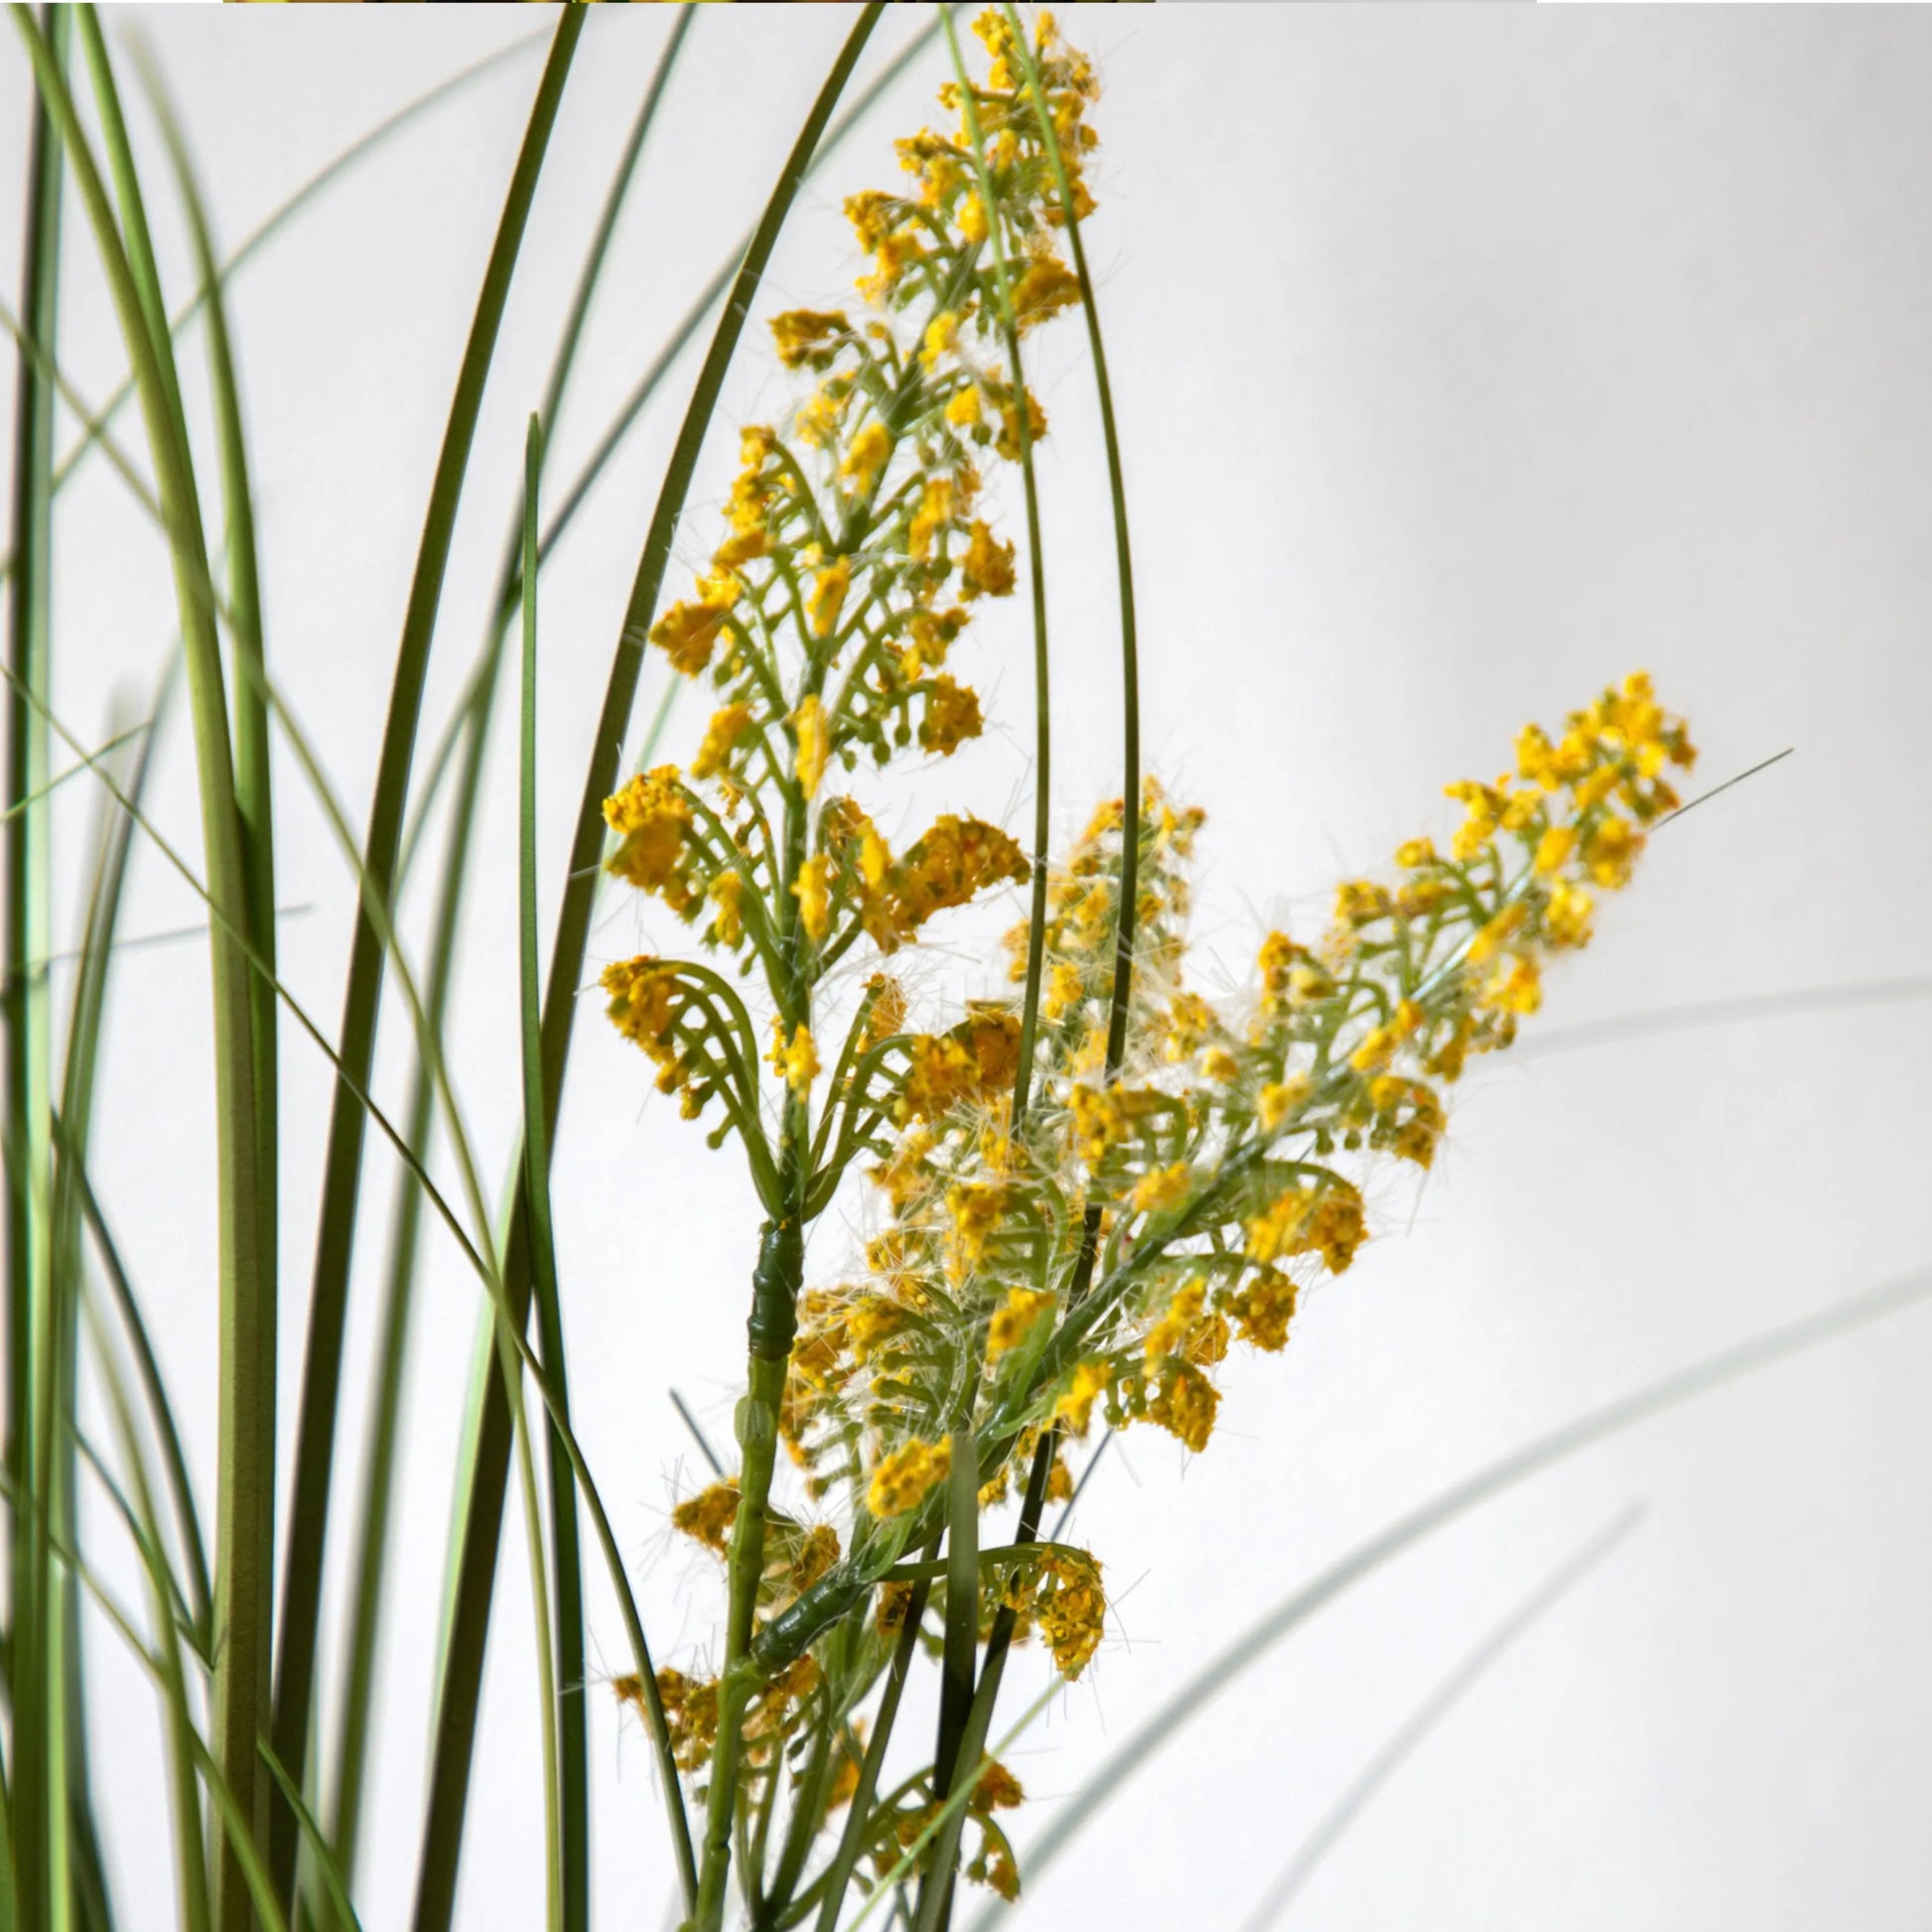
column 314, row 1841
column 164, row 1589
column 154, row 1392
column 1702, row 1378
column 1470, row 1670
column 35, row 1779
column 342, row 1175
column 245, row 1535
column 254, row 802
column 569, row 1796
column 488, row 1457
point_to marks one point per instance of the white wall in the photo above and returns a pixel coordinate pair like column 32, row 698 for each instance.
column 1466, row 359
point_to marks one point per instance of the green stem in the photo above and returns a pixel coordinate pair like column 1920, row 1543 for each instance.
column 35, row 1829
column 775, row 1296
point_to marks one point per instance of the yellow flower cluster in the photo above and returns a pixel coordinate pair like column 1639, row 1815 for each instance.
column 900, row 1480
column 707, row 1517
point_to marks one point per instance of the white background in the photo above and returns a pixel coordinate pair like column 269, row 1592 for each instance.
column 1466, row 359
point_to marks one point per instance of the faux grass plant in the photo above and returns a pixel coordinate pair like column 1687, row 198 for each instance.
column 1085, row 1185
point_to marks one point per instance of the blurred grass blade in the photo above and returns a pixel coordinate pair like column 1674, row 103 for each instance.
column 570, row 1797
column 35, row 1777
column 71, row 1202
column 1714, row 1372
column 486, row 1460
column 1722, row 1012
column 314, row 1841
column 190, row 1867
column 341, row 1173
column 1496, row 1644
column 154, row 1392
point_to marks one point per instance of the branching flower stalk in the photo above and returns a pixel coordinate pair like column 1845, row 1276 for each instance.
column 1181, row 1170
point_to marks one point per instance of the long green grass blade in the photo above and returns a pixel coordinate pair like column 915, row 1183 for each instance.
column 36, row 1861
column 1840, row 1319
column 341, row 1174
column 487, row 1459
column 254, row 802
column 568, row 1799
column 1469, row 1671
column 244, row 1533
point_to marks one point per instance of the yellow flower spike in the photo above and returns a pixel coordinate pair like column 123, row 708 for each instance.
column 795, row 1062
column 1567, row 916
column 1553, row 849
column 972, row 219
column 807, row 336
column 708, row 1516
column 866, row 457
column 1519, row 990
column 813, row 891
column 1280, row 1098
column 1070, row 1607
column 941, row 334
column 900, row 1480
column 964, row 410
column 1047, row 287
column 814, row 745
column 932, row 516
column 827, row 596
column 687, row 634
column 1491, row 938
column 1611, row 850
column 1263, row 1308
column 727, row 893
column 1185, row 1407
column 652, row 817
column 985, row 570
column 1006, row 443
column 1014, row 1319
column 726, row 726
column 1166, row 1188
column 976, row 1211
column 952, row 715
